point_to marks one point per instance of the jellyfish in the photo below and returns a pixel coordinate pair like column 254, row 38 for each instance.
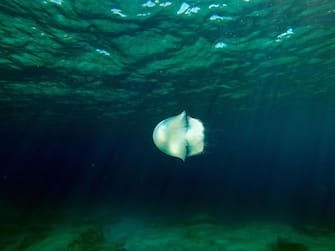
column 180, row 136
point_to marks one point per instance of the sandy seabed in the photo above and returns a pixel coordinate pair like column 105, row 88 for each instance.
column 98, row 232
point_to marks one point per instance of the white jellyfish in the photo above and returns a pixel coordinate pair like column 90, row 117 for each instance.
column 180, row 136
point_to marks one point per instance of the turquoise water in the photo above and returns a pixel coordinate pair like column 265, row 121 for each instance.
column 84, row 83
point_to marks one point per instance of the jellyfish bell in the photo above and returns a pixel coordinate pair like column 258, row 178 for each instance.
column 180, row 136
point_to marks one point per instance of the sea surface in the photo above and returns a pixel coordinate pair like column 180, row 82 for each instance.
column 83, row 84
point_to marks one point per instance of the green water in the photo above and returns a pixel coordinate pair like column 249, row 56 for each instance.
column 83, row 84
column 80, row 56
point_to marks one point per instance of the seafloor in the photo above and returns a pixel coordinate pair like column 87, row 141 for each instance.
column 52, row 231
